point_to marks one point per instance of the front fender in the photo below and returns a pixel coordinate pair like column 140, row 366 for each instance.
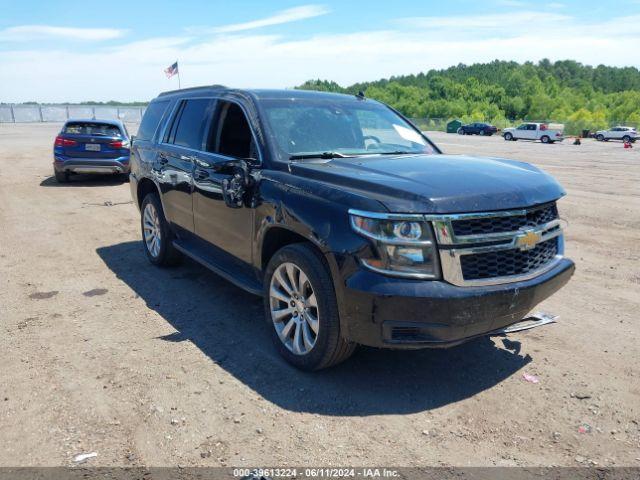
column 317, row 212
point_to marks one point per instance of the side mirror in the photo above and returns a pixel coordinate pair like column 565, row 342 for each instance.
column 234, row 189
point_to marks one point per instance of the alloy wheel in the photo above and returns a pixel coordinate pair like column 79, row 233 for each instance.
column 151, row 230
column 294, row 308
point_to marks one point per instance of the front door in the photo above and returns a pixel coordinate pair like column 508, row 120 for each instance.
column 229, row 229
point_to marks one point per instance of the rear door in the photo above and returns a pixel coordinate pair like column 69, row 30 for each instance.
column 532, row 132
column 173, row 169
column 618, row 133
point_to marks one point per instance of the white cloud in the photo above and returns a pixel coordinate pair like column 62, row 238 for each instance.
column 512, row 3
column 37, row 32
column 258, row 60
column 511, row 21
column 285, row 16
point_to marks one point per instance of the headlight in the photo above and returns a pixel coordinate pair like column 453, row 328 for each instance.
column 404, row 245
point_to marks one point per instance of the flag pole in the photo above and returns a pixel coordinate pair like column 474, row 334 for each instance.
column 179, row 87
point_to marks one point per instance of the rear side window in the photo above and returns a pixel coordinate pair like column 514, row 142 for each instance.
column 92, row 128
column 151, row 119
column 194, row 116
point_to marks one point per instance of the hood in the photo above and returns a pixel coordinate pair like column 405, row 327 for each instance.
column 437, row 183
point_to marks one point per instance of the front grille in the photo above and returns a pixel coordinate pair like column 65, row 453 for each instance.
column 503, row 263
column 511, row 223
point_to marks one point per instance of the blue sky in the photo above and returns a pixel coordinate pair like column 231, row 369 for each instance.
column 66, row 51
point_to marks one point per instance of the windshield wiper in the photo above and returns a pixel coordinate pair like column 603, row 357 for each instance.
column 323, row 155
column 397, row 152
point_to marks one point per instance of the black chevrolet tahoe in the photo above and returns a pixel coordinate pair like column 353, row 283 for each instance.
column 347, row 220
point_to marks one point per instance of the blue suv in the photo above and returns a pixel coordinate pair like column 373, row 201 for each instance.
column 89, row 147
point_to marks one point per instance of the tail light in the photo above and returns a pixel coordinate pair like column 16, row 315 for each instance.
column 65, row 142
column 558, row 134
column 119, row 144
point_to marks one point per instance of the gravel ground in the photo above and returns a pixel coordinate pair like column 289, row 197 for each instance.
column 101, row 352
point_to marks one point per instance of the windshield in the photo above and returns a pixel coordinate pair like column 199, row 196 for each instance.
column 304, row 127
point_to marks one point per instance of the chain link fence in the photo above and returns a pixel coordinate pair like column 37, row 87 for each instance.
column 61, row 113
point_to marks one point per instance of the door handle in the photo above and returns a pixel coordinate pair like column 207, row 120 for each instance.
column 202, row 163
column 187, row 158
column 162, row 158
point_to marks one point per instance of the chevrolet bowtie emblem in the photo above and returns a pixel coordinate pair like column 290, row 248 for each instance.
column 528, row 240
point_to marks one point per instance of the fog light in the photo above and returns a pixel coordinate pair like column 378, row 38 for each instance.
column 405, row 255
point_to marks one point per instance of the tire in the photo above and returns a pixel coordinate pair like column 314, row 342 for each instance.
column 461, row 131
column 291, row 329
column 600, row 137
column 61, row 177
column 481, row 132
column 545, row 139
column 508, row 136
column 154, row 225
column 626, row 139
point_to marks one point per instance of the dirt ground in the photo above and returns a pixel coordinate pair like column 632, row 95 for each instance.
column 101, row 352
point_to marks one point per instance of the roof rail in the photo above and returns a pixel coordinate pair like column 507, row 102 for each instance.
column 202, row 87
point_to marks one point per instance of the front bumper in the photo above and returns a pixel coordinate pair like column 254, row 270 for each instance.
column 381, row 311
column 91, row 165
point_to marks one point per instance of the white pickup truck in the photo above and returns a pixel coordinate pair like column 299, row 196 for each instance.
column 626, row 134
column 546, row 133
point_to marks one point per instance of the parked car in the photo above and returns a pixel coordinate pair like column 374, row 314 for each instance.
column 626, row 134
column 477, row 129
column 347, row 220
column 535, row 131
column 91, row 146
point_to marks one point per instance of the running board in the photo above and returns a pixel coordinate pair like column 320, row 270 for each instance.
column 536, row 319
column 226, row 270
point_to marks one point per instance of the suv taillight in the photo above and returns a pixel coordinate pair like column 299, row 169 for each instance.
column 64, row 142
column 119, row 144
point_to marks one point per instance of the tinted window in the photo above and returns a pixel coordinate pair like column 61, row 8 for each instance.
column 192, row 122
column 92, row 128
column 232, row 137
column 151, row 119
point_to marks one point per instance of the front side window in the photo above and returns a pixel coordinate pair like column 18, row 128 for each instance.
column 231, row 135
column 348, row 127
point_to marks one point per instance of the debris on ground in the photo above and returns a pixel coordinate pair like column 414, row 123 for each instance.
column 580, row 396
column 108, row 203
column 530, row 378
column 83, row 457
column 584, row 428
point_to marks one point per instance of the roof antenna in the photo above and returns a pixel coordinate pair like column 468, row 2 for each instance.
column 360, row 95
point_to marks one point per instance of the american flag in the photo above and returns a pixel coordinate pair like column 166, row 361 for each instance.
column 171, row 70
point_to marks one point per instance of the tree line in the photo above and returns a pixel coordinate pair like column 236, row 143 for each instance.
column 501, row 92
